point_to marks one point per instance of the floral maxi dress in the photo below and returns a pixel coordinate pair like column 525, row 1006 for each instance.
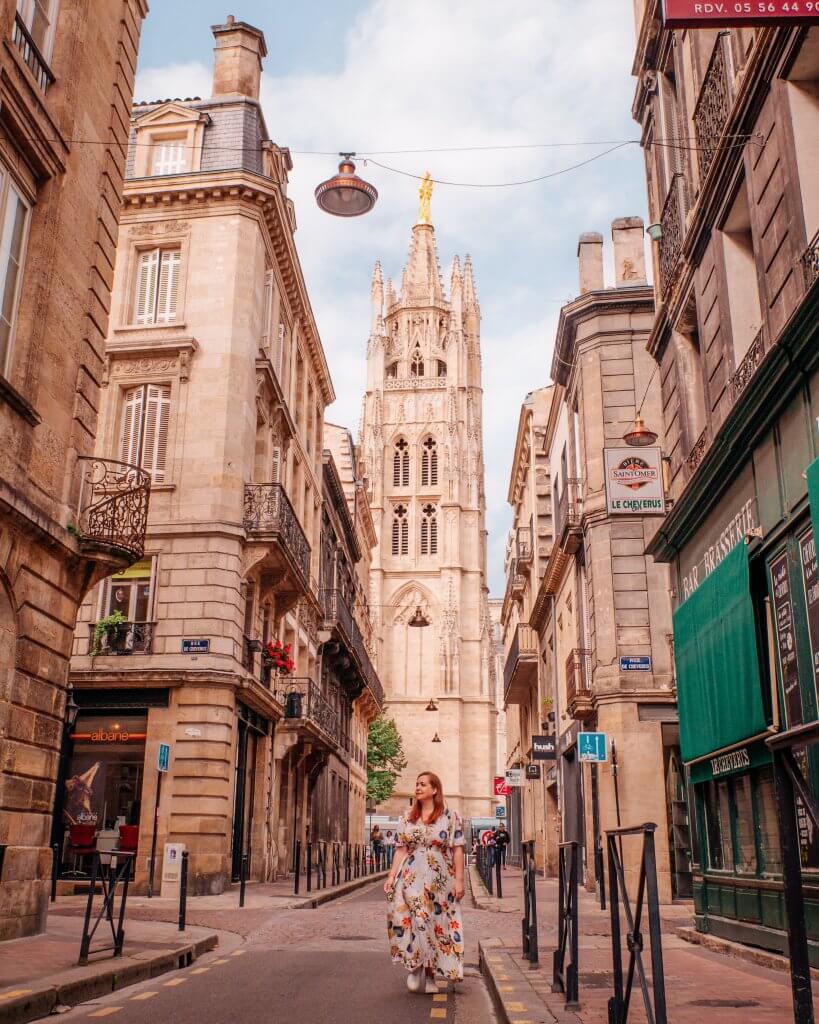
column 424, row 919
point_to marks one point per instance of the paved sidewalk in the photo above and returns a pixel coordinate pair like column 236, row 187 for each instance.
column 700, row 983
column 40, row 973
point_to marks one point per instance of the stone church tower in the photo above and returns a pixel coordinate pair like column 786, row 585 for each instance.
column 422, row 446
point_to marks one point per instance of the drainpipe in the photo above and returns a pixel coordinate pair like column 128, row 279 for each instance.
column 558, row 762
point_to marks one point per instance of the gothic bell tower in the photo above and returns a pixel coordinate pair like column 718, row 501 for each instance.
column 422, row 446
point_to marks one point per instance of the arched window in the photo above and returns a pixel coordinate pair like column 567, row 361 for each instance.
column 429, row 530
column 400, row 530
column 417, row 364
column 441, row 368
column 429, row 463
column 392, row 371
column 400, row 464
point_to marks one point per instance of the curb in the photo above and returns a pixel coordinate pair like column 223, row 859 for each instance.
column 81, row 984
column 329, row 895
column 514, row 998
column 481, row 900
column 752, row 955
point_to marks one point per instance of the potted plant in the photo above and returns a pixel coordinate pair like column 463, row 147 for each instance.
column 277, row 657
column 108, row 633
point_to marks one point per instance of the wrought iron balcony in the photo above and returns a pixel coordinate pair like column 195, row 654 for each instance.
column 268, row 514
column 339, row 616
column 523, row 544
column 122, row 638
column 697, row 453
column 810, row 262
column 672, row 221
column 520, row 670
column 712, row 109
column 747, row 368
column 579, row 701
column 304, row 704
column 515, row 579
column 113, row 509
column 568, row 529
column 36, row 63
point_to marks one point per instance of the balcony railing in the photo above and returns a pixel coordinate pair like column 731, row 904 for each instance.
column 337, row 610
column 578, row 691
column 698, row 451
column 268, row 511
column 523, row 544
column 747, row 368
column 122, row 638
column 113, row 508
column 568, row 516
column 712, row 109
column 524, row 647
column 415, row 383
column 312, row 707
column 671, row 242
column 810, row 262
column 34, row 60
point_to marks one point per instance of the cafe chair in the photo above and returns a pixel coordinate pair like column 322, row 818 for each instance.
column 82, row 842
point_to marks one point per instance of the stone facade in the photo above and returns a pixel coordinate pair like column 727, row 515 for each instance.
column 58, row 84
column 423, row 457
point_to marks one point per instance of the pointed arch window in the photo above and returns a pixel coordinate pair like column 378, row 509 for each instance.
column 441, row 368
column 417, row 364
column 400, row 464
column 429, row 529
column 429, row 463
column 400, row 530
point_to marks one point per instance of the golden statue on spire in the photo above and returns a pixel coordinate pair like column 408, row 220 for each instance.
column 425, row 195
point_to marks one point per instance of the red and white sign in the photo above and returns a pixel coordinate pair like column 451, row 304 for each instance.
column 501, row 789
column 484, row 836
column 723, row 13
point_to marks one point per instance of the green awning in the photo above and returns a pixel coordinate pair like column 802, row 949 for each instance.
column 719, row 688
column 812, row 474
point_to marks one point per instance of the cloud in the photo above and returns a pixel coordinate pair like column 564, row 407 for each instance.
column 461, row 73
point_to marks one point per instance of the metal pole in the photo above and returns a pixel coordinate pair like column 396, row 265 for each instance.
column 572, row 975
column 85, row 942
column 153, row 837
column 309, row 866
column 616, row 1001
column 297, row 865
column 183, row 891
column 242, row 880
column 657, row 974
column 55, row 869
column 533, row 950
column 498, row 884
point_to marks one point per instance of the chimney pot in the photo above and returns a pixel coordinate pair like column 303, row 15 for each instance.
column 628, row 233
column 237, row 59
column 590, row 257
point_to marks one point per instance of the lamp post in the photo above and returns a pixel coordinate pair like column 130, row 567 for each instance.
column 345, row 194
column 72, row 709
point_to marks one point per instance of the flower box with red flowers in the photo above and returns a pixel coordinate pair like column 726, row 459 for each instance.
column 276, row 656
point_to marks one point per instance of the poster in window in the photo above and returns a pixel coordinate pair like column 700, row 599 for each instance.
column 786, row 639
column 808, row 833
column 810, row 577
column 85, row 792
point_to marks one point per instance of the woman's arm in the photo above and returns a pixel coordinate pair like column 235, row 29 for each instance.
column 399, row 858
column 458, row 856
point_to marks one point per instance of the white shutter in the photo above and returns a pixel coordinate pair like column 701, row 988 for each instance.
column 131, row 426
column 267, row 311
column 146, row 286
column 155, row 445
column 276, row 465
column 168, row 286
column 169, row 157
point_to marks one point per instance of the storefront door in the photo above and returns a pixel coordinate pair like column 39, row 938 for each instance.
column 250, row 727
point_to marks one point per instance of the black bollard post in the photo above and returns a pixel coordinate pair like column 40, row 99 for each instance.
column 309, row 866
column 55, row 870
column 297, row 865
column 242, row 880
column 498, row 861
column 183, row 891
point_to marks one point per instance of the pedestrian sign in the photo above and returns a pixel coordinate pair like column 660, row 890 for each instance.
column 163, row 759
column 500, row 812
column 591, row 746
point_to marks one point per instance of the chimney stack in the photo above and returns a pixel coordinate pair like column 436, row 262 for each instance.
column 590, row 257
column 237, row 59
column 628, row 233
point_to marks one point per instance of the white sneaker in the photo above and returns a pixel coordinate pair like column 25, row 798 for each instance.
column 414, row 979
column 430, row 988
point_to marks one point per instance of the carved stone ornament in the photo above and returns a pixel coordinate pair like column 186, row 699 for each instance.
column 148, row 229
column 141, row 367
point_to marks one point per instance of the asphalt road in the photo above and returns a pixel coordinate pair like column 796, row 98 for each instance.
column 325, row 966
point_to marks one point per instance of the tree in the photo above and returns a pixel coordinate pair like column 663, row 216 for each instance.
column 385, row 759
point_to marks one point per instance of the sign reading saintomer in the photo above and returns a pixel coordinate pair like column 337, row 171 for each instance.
column 722, row 13
column 634, row 480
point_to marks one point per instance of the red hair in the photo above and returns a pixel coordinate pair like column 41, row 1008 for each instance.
column 438, row 805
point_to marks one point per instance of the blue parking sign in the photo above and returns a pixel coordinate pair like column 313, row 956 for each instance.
column 591, row 746
column 163, row 757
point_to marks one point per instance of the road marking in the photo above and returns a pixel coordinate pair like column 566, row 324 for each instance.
column 224, row 961
column 201, row 970
column 16, row 992
column 516, row 1007
column 438, row 1014
column 506, row 988
column 144, row 995
column 442, row 998
column 238, row 952
column 173, row 982
column 106, row 1011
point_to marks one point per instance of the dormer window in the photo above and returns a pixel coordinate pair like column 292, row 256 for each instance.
column 169, row 140
column 169, row 156
column 417, row 364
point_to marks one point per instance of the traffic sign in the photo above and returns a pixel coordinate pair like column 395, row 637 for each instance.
column 591, row 746
column 485, row 836
column 500, row 812
column 514, row 777
column 500, row 786
column 163, row 759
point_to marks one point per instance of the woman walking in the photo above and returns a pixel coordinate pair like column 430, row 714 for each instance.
column 425, row 887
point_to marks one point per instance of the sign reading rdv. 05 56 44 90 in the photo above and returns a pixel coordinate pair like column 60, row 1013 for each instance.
column 724, row 13
column 634, row 481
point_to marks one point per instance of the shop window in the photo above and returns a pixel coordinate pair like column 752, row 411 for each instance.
column 144, row 431
column 14, row 211
column 768, row 825
column 714, row 807
column 745, row 854
column 157, row 286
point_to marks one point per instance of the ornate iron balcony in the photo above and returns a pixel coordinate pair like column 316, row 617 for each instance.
column 523, row 654
column 337, row 612
column 268, row 512
column 579, row 698
column 671, row 242
column 113, row 509
column 810, row 262
column 747, row 368
column 36, row 63
column 712, row 109
column 304, row 702
column 124, row 638
column 698, row 451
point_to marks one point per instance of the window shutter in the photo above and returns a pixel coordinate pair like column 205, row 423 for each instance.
column 155, row 446
column 424, row 536
column 131, row 426
column 396, row 470
column 168, row 286
column 424, row 468
column 146, row 286
column 405, row 470
column 433, row 472
column 404, row 537
column 395, row 535
column 276, row 466
column 433, row 535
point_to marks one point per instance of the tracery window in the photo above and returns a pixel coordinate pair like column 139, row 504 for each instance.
column 400, row 530
column 401, row 464
column 429, row 463
column 429, row 529
column 417, row 364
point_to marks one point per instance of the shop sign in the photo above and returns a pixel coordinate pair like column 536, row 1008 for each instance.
column 514, row 776
column 810, row 577
column 109, row 736
column 786, row 639
column 543, row 748
column 640, row 663
column 163, row 757
column 634, row 481
column 532, row 771
column 195, row 646
column 734, row 761
column 725, row 13
column 591, row 746
column 500, row 786
column 808, row 835
column 718, row 541
column 500, row 812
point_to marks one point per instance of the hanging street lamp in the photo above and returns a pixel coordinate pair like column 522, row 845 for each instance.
column 436, row 738
column 639, row 436
column 418, row 619
column 345, row 194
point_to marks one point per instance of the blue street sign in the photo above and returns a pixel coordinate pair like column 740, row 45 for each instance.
column 163, row 759
column 195, row 646
column 591, row 746
column 500, row 812
column 636, row 664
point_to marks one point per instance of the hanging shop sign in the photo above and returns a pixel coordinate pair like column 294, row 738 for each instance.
column 514, row 776
column 634, row 481
column 543, row 748
column 810, row 577
column 532, row 771
column 725, row 13
column 500, row 786
column 786, row 638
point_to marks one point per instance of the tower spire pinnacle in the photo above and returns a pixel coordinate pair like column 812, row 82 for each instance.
column 425, row 198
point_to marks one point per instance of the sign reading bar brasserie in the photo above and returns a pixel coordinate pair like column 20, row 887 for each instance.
column 724, row 13
column 634, row 481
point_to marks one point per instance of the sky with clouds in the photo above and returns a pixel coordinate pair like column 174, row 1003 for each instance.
column 383, row 75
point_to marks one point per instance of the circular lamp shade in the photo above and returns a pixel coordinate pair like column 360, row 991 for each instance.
column 640, row 436
column 345, row 194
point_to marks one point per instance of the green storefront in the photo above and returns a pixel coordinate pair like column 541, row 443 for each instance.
column 746, row 640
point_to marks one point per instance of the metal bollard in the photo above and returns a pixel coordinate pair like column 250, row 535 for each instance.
column 498, row 883
column 55, row 870
column 297, row 865
column 183, row 891
column 242, row 880
column 309, row 866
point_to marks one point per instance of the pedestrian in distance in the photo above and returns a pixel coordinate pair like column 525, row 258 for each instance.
column 425, row 888
column 501, row 842
column 377, row 843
